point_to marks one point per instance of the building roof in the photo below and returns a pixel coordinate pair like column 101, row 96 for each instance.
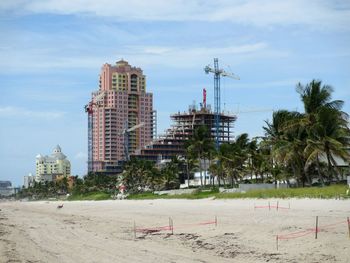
column 56, row 155
column 57, row 149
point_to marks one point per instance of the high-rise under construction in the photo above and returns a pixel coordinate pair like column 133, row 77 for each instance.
column 184, row 123
column 120, row 103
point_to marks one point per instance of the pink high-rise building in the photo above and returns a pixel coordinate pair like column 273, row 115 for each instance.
column 120, row 103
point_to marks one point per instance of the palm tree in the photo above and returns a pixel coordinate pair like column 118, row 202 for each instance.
column 199, row 146
column 329, row 137
column 139, row 175
column 170, row 173
column 315, row 97
column 286, row 138
column 219, row 166
column 253, row 157
column 326, row 125
column 232, row 158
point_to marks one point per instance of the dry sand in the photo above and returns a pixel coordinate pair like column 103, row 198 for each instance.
column 102, row 231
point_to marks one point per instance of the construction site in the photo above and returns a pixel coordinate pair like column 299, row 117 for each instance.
column 122, row 122
column 184, row 123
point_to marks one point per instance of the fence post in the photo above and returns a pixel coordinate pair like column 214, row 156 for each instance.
column 134, row 230
column 349, row 226
column 169, row 224
column 277, row 206
column 269, row 206
column 277, row 242
column 172, row 227
column 216, row 221
column 316, row 229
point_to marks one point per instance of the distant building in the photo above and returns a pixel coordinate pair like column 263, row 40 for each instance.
column 120, row 103
column 6, row 189
column 28, row 180
column 50, row 167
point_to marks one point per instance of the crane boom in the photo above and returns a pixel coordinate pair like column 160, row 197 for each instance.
column 230, row 75
column 126, row 133
column 135, row 127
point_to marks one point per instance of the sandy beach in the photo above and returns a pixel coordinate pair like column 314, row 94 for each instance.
column 245, row 231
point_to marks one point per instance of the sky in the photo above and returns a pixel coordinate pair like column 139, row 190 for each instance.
column 51, row 53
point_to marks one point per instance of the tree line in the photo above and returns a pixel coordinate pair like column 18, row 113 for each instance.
column 296, row 146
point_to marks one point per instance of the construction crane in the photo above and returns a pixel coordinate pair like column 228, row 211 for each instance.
column 217, row 100
column 89, row 108
column 126, row 133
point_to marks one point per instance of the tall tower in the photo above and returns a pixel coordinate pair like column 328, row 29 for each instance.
column 120, row 103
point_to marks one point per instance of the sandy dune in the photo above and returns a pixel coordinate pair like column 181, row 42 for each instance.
column 103, row 231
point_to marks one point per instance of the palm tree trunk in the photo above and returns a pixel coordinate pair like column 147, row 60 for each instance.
column 200, row 170
column 205, row 172
column 319, row 170
column 339, row 174
column 329, row 165
column 188, row 175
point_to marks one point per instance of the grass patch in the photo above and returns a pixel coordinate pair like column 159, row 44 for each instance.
column 93, row 196
column 196, row 195
column 327, row 192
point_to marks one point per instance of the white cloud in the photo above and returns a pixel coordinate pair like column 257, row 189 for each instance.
column 46, row 59
column 189, row 57
column 317, row 14
column 186, row 51
column 21, row 112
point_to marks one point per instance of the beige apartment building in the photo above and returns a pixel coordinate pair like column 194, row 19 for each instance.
column 120, row 103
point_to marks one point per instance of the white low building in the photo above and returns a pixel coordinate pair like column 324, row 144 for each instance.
column 50, row 167
column 28, row 180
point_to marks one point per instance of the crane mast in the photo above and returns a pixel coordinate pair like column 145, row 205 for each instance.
column 217, row 98
column 90, row 108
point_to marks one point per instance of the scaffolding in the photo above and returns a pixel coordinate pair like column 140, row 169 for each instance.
column 172, row 143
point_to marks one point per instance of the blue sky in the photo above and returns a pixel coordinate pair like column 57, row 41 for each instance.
column 51, row 53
